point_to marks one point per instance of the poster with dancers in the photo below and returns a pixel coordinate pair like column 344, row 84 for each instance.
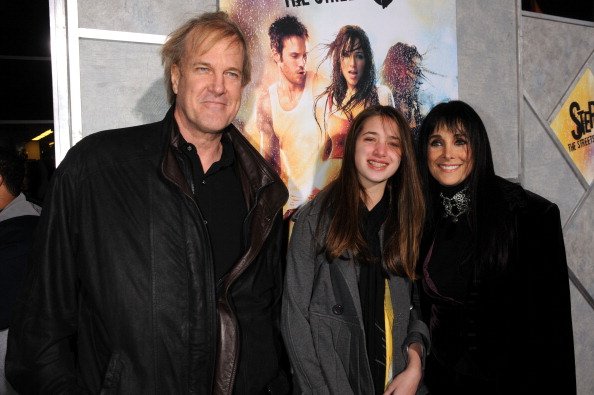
column 317, row 63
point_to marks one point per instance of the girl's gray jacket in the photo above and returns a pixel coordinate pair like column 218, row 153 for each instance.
column 322, row 322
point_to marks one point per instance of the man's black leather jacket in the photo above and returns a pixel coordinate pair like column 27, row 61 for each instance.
column 121, row 297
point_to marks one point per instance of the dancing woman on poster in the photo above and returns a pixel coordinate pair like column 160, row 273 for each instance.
column 349, row 315
column 494, row 277
column 403, row 73
column 352, row 88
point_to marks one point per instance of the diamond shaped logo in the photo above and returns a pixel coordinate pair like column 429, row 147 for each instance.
column 574, row 125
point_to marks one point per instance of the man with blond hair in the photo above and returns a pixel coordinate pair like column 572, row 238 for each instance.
column 159, row 269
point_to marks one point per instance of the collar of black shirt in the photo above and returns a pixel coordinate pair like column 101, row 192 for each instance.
column 227, row 156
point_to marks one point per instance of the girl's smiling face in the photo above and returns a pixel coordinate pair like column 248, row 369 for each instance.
column 378, row 152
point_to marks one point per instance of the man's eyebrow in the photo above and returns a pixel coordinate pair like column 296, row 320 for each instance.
column 199, row 63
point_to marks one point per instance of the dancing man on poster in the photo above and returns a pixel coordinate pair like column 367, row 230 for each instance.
column 291, row 139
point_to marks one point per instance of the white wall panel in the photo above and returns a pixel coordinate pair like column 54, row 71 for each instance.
column 121, row 85
column 140, row 16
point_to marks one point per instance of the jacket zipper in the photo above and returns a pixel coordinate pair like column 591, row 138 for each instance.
column 237, row 275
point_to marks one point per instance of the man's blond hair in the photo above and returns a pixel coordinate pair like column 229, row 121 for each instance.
column 205, row 31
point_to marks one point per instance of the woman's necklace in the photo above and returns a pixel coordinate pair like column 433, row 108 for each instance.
column 456, row 205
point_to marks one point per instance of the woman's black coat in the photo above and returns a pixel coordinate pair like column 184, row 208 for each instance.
column 524, row 321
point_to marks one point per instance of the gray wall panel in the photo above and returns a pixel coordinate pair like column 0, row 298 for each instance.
column 584, row 342
column 487, row 63
column 545, row 170
column 121, row 85
column 139, row 16
column 553, row 53
column 579, row 239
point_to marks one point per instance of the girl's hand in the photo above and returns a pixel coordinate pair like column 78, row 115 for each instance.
column 407, row 382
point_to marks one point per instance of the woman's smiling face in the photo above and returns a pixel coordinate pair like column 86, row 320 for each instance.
column 449, row 156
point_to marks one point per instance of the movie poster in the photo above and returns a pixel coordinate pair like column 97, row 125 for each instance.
column 318, row 63
column 574, row 125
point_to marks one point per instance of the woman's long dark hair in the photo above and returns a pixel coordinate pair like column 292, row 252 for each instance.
column 489, row 216
column 349, row 39
column 406, row 212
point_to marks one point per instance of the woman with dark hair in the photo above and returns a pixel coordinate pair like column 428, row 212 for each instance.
column 352, row 88
column 348, row 318
column 494, row 276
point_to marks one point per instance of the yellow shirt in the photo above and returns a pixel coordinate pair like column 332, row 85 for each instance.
column 389, row 326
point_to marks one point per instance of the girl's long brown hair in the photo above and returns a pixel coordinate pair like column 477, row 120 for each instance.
column 406, row 212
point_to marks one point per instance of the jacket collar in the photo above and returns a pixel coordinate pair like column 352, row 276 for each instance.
column 255, row 173
column 169, row 164
column 513, row 194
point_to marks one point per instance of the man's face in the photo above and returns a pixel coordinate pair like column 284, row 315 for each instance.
column 292, row 60
column 208, row 87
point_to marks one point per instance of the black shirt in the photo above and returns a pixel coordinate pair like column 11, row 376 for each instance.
column 219, row 196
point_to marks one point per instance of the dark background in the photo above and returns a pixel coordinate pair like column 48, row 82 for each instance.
column 26, row 108
column 575, row 9
column 25, row 77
